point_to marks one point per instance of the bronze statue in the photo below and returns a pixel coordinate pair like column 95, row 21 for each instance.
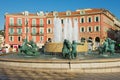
column 108, row 46
column 69, row 50
column 28, row 48
column 74, row 50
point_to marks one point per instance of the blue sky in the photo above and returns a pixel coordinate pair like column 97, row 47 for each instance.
column 16, row 6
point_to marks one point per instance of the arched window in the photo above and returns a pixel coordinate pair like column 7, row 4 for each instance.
column 49, row 40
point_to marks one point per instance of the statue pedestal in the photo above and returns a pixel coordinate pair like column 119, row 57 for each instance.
column 57, row 47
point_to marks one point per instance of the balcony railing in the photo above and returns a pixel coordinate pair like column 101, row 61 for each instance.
column 38, row 25
column 15, row 34
column 15, row 25
column 39, row 34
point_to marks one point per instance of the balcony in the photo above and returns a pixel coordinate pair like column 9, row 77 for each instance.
column 37, row 34
column 33, row 34
column 41, row 25
column 15, row 34
column 38, row 25
column 15, row 25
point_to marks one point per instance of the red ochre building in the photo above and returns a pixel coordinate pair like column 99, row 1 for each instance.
column 92, row 23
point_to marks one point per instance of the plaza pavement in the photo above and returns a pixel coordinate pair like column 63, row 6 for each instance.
column 15, row 73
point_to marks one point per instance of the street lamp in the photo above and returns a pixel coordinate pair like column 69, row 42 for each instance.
column 26, row 29
column 26, row 23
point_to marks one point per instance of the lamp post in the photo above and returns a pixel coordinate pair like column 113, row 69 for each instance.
column 26, row 29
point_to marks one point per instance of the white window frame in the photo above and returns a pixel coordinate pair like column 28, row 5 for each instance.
column 98, row 18
column 42, row 22
column 61, row 20
column 42, row 30
column 20, row 38
column 95, row 28
column 88, row 19
column 81, row 19
column 13, row 30
column 42, row 38
column 33, row 30
column 68, row 13
column 50, row 30
column 11, row 21
column 12, row 38
column 81, row 29
column 88, row 29
column 18, row 21
column 50, row 21
column 34, row 20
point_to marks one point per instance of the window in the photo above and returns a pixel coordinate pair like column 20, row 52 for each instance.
column 48, row 21
column 68, row 13
column 11, row 38
column 11, row 20
column 19, row 31
column 82, row 20
column 89, row 29
column 19, row 22
column 33, row 22
column 62, row 21
column 49, row 30
column 19, row 38
column 26, row 22
column 11, row 30
column 41, row 38
column 33, row 30
column 96, row 18
column 82, row 12
column 82, row 29
column 97, row 28
column 89, row 19
column 41, row 30
column 55, row 13
column 41, row 22
column 34, row 38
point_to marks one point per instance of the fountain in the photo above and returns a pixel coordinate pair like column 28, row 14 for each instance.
column 57, row 30
column 69, row 32
column 61, row 44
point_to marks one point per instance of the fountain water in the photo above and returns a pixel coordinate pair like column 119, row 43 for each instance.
column 57, row 30
column 75, row 31
column 70, row 33
column 70, row 30
column 65, row 29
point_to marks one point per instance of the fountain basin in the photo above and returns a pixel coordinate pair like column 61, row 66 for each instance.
column 81, row 66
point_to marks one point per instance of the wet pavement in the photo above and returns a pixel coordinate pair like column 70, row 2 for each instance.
column 14, row 73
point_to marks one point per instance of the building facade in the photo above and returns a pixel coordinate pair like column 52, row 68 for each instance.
column 22, row 25
column 92, row 24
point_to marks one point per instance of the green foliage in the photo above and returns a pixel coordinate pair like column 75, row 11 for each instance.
column 2, row 32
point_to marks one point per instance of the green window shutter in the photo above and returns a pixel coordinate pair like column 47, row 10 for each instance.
column 11, row 21
column 19, row 22
column 33, row 30
column 33, row 22
column 19, row 30
column 11, row 30
column 41, row 22
column 41, row 30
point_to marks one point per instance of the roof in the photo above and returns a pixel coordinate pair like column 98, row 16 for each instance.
column 77, row 12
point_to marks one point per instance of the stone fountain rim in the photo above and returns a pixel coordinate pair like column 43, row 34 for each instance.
column 60, row 61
